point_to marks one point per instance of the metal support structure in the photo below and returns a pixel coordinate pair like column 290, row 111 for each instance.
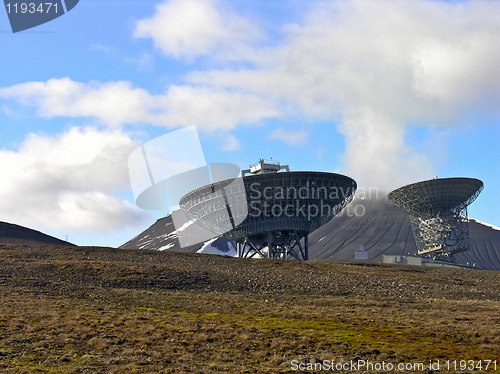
column 438, row 214
column 306, row 247
column 277, row 244
column 442, row 236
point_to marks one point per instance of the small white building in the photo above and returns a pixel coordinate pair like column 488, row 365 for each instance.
column 360, row 253
column 402, row 260
column 416, row 260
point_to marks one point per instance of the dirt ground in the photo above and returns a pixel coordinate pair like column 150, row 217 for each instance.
column 105, row 310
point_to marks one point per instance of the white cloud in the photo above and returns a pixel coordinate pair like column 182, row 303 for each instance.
column 103, row 48
column 114, row 103
column 144, row 62
column 67, row 182
column 231, row 143
column 374, row 67
column 118, row 103
column 290, row 137
column 321, row 152
column 213, row 108
column 190, row 28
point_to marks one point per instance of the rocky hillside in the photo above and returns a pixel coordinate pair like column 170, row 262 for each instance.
column 10, row 233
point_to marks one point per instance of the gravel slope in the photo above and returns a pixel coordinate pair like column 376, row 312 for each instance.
column 63, row 267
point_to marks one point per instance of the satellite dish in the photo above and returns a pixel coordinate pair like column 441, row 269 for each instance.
column 270, row 214
column 438, row 213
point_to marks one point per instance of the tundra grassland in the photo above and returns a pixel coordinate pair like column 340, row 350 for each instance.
column 106, row 310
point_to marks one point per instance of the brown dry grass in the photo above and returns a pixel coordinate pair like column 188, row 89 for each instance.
column 102, row 310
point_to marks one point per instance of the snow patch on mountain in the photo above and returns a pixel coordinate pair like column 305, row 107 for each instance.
column 175, row 234
column 166, row 247
column 219, row 246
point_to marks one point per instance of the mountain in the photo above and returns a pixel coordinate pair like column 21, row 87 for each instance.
column 163, row 235
column 384, row 229
column 11, row 233
column 379, row 226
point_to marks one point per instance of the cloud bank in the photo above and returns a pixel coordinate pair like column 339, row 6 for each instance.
column 191, row 28
column 290, row 137
column 119, row 103
column 374, row 68
column 67, row 182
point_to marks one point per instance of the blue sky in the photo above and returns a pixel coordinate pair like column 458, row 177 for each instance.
column 387, row 92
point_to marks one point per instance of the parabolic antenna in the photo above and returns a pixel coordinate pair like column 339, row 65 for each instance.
column 438, row 212
column 269, row 212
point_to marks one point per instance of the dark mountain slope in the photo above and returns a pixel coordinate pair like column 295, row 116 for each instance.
column 11, row 233
column 375, row 223
column 163, row 235
column 386, row 230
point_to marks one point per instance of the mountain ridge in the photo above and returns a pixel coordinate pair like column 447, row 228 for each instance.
column 16, row 234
